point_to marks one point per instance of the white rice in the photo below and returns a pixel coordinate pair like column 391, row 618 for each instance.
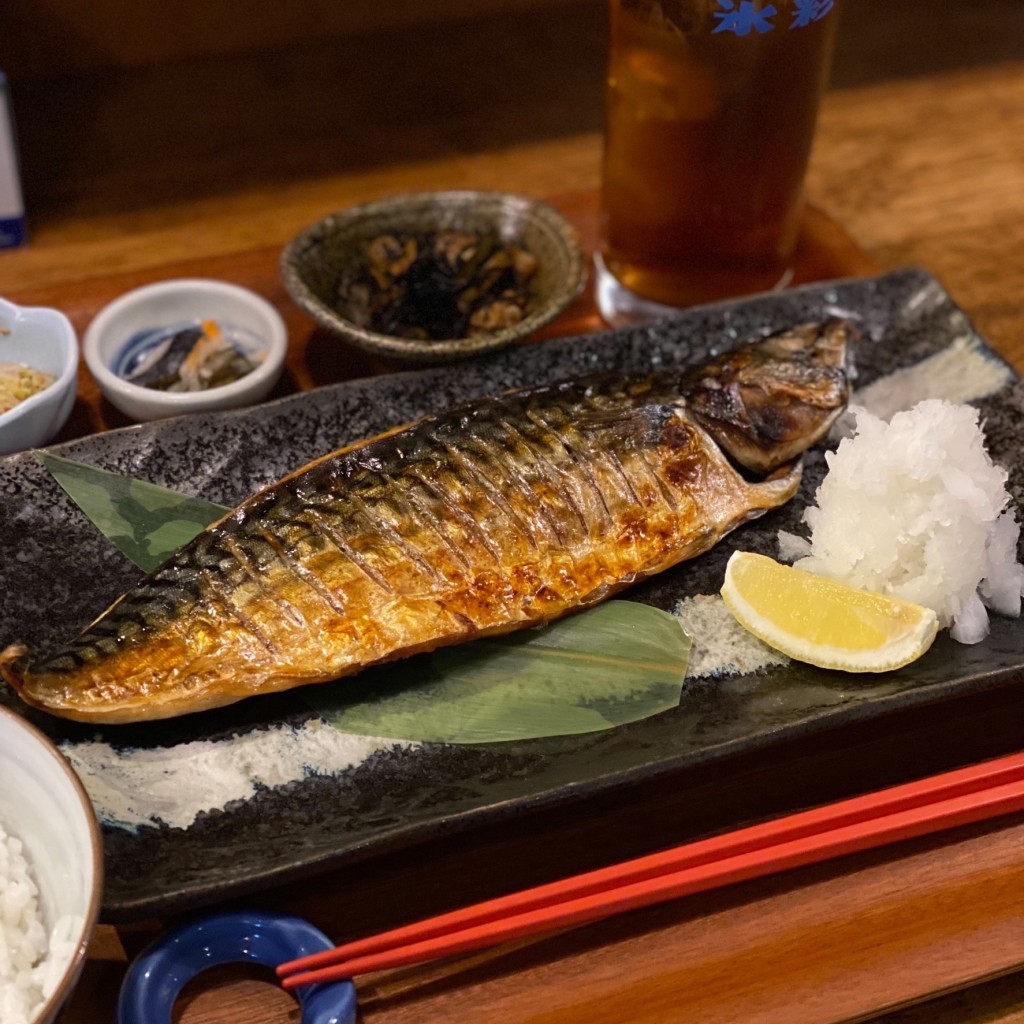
column 916, row 508
column 31, row 963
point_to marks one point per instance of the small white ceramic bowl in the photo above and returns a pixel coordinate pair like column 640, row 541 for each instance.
column 45, row 340
column 43, row 803
column 173, row 303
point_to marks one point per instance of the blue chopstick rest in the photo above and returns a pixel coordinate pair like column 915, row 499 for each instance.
column 159, row 973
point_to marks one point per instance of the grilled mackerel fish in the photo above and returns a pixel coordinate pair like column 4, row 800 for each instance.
column 498, row 515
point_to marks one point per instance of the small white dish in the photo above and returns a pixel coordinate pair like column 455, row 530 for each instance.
column 45, row 340
column 175, row 303
column 43, row 804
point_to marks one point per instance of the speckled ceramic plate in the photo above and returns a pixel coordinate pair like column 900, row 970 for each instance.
column 57, row 573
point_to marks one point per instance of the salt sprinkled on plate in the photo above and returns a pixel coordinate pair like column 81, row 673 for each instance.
column 721, row 646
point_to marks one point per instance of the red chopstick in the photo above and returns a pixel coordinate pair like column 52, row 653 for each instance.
column 901, row 812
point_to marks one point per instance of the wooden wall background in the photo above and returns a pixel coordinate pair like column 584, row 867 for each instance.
column 125, row 106
column 45, row 37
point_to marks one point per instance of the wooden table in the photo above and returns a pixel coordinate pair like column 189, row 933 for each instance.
column 923, row 165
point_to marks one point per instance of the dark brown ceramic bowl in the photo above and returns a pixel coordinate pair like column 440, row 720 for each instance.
column 319, row 265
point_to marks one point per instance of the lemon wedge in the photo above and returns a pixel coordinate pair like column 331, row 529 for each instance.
column 817, row 620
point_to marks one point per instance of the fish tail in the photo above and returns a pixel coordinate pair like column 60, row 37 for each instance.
column 779, row 487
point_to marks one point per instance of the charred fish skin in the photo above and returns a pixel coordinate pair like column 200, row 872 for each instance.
column 502, row 514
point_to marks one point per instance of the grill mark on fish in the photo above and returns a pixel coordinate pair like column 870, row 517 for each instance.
column 681, row 435
column 612, row 459
column 216, row 598
column 543, row 513
column 244, row 563
column 563, row 487
column 666, row 492
column 566, row 545
column 242, row 560
column 660, row 425
column 319, row 521
column 613, row 478
column 392, row 535
column 466, row 521
column 468, row 625
column 534, row 501
column 591, row 432
column 425, row 518
column 299, row 571
column 462, row 459
column 585, row 470
column 553, row 469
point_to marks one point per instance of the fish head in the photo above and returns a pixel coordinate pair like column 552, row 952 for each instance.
column 767, row 403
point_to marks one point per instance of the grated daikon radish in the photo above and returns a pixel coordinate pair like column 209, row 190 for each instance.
column 917, row 509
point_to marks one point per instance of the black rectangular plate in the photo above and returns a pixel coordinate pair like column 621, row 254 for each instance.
column 57, row 573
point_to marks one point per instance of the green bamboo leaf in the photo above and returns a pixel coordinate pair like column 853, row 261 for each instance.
column 144, row 521
column 616, row 663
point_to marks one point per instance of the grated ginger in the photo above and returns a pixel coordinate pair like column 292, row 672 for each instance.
column 18, row 382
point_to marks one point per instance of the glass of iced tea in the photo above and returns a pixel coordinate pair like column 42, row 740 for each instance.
column 710, row 114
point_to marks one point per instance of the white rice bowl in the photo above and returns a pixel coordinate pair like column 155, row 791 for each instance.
column 50, row 874
column 32, row 957
column 915, row 508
